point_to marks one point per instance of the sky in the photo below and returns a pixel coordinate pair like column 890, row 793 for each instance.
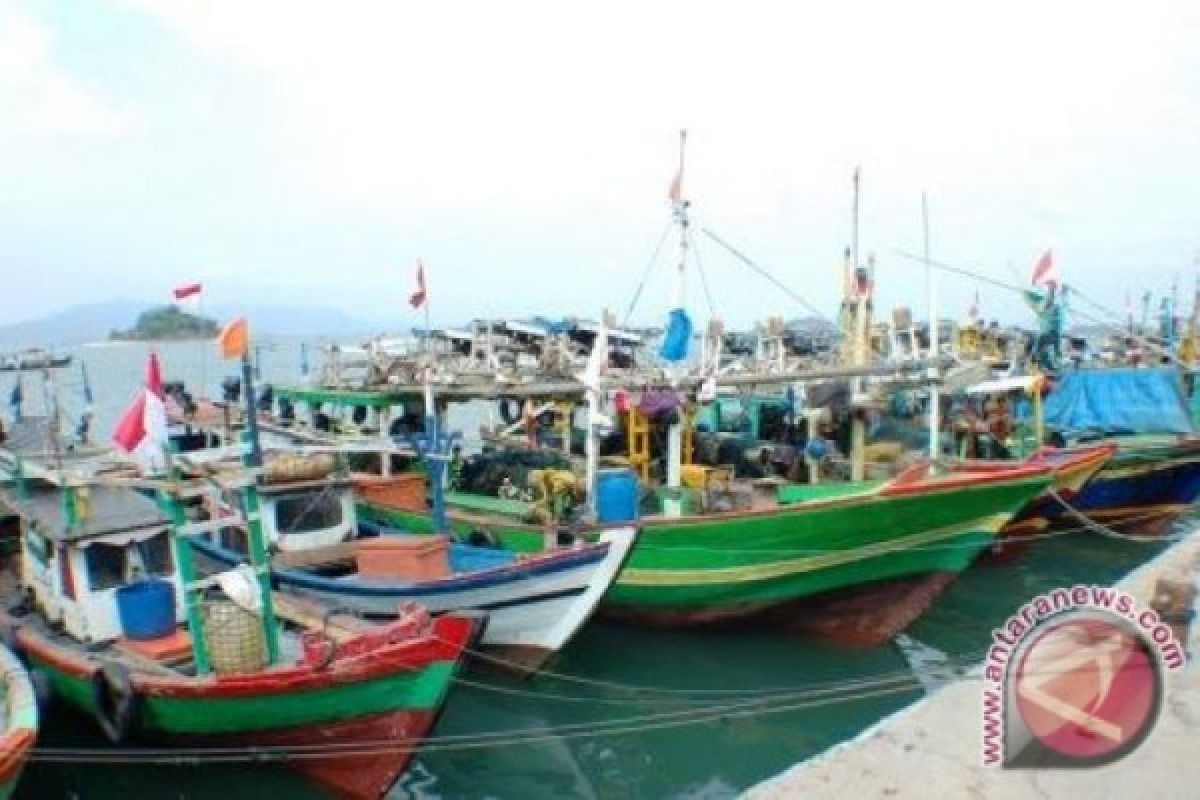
column 287, row 152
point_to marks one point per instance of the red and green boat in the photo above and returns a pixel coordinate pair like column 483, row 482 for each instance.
column 19, row 726
column 345, row 705
column 349, row 719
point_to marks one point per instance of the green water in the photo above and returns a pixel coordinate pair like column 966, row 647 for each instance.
column 712, row 759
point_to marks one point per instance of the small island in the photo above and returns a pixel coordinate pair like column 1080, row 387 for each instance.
column 167, row 322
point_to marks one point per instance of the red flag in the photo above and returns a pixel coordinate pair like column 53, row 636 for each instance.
column 1044, row 272
column 187, row 290
column 675, row 191
column 154, row 381
column 417, row 298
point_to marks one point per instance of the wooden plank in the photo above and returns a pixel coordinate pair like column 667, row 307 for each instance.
column 334, row 555
column 340, row 627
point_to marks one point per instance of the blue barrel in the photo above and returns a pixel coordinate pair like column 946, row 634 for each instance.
column 616, row 495
column 146, row 609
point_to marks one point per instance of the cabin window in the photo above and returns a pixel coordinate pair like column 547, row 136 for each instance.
column 105, row 566
column 303, row 513
column 156, row 555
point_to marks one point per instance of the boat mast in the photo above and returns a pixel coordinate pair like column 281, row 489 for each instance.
column 935, row 330
column 675, row 432
column 858, row 428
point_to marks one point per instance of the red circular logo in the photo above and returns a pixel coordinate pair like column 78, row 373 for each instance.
column 1087, row 688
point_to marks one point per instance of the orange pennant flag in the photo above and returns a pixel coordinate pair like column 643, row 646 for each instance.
column 234, row 338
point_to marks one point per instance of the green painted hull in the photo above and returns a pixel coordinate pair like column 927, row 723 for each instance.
column 729, row 563
column 420, row 691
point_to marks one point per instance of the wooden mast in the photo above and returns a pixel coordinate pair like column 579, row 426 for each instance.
column 675, row 432
column 858, row 428
column 934, row 338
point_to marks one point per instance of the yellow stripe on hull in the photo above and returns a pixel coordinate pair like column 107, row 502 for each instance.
column 990, row 524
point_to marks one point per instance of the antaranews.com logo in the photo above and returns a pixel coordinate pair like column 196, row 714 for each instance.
column 1075, row 679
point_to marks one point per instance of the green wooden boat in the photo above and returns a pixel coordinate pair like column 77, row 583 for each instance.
column 696, row 569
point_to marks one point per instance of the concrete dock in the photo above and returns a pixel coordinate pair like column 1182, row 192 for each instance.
column 932, row 748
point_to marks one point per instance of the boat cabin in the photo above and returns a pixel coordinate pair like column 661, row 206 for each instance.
column 79, row 546
column 299, row 516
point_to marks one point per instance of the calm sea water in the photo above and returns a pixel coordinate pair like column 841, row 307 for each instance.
column 533, row 756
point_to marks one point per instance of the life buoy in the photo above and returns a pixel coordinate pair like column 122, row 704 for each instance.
column 115, row 700
column 511, row 409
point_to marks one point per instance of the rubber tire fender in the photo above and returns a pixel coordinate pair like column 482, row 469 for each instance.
column 511, row 409
column 115, row 700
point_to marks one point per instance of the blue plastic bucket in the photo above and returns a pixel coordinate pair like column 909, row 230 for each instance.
column 146, row 609
column 616, row 495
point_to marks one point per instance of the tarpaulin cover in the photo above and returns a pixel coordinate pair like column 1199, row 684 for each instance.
column 678, row 336
column 1116, row 401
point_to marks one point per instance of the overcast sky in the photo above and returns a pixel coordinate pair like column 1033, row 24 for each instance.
column 296, row 151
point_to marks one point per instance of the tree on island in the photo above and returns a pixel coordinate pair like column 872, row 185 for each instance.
column 168, row 322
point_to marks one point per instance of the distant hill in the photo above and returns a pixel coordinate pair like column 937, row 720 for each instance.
column 93, row 322
column 167, row 322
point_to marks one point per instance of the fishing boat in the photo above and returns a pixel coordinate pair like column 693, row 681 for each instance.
column 535, row 602
column 1072, row 468
column 702, row 568
column 1154, row 475
column 19, row 725
column 109, row 611
column 34, row 358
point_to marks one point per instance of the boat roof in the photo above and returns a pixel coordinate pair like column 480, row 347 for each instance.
column 613, row 333
column 30, row 437
column 111, row 509
column 450, row 333
column 346, row 397
column 525, row 327
column 1022, row 383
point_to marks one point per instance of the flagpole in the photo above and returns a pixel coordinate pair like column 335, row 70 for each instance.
column 204, row 344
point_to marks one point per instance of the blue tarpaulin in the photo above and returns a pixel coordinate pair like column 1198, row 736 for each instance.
column 1119, row 401
column 678, row 336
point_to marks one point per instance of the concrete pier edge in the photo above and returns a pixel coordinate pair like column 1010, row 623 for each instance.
column 931, row 748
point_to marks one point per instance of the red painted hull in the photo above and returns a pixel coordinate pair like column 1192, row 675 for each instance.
column 864, row 616
column 15, row 748
column 369, row 773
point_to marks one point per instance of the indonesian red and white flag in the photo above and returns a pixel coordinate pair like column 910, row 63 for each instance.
column 187, row 290
column 1045, row 272
column 418, row 296
column 142, row 429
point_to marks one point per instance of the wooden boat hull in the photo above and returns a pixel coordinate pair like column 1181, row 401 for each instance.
column 699, row 570
column 534, row 607
column 384, row 700
column 21, row 721
column 1142, row 489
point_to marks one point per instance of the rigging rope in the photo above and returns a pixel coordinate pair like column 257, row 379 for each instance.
column 646, row 271
column 742, row 257
column 712, row 312
column 1074, row 291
